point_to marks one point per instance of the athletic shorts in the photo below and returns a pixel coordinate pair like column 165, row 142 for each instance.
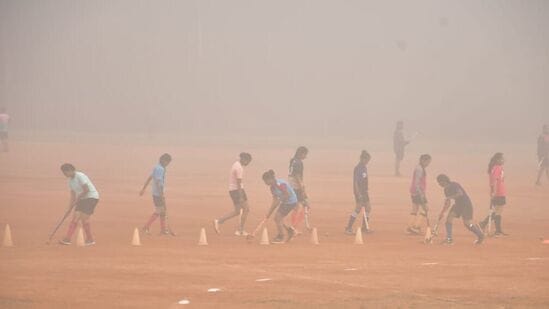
column 87, row 205
column 499, row 201
column 3, row 135
column 284, row 209
column 238, row 197
column 419, row 200
column 300, row 195
column 365, row 199
column 465, row 211
column 159, row 201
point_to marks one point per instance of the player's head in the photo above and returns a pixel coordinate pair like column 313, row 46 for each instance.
column 443, row 180
column 301, row 153
column 400, row 124
column 545, row 129
column 68, row 170
column 497, row 159
column 165, row 159
column 425, row 160
column 365, row 157
column 269, row 177
column 245, row 158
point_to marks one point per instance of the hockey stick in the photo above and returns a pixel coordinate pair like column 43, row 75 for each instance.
column 67, row 213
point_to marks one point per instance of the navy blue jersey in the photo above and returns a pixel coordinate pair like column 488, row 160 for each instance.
column 454, row 188
column 360, row 180
column 296, row 168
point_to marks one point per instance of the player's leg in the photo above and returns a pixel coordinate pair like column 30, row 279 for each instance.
column 245, row 211
column 352, row 218
column 412, row 224
column 474, row 228
column 87, row 210
column 498, row 211
column 279, row 221
column 237, row 199
column 366, row 220
column 71, row 229
column 449, row 227
column 542, row 168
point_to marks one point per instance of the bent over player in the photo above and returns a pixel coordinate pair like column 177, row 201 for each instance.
column 462, row 208
column 360, row 190
column 84, row 197
column 285, row 199
column 158, row 178
column 238, row 195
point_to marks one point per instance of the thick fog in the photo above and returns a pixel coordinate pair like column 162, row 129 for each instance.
column 453, row 69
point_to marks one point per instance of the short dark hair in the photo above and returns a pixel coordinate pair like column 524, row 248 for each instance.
column 244, row 156
column 270, row 174
column 365, row 155
column 301, row 150
column 166, row 157
column 67, row 167
column 424, row 157
column 443, row 178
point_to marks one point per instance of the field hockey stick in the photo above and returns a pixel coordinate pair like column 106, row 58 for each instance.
column 365, row 218
column 490, row 214
column 67, row 213
column 256, row 230
column 437, row 225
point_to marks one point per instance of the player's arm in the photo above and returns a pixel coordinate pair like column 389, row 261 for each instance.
column 417, row 180
column 274, row 205
column 145, row 185
column 72, row 199
column 85, row 190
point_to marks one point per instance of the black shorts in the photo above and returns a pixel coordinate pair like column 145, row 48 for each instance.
column 159, row 201
column 465, row 211
column 284, row 209
column 499, row 201
column 300, row 195
column 365, row 199
column 87, row 205
column 3, row 135
column 419, row 200
column 238, row 197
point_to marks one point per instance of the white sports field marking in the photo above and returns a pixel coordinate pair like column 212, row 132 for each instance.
column 184, row 302
column 536, row 259
column 350, row 269
column 429, row 263
column 214, row 290
column 263, row 280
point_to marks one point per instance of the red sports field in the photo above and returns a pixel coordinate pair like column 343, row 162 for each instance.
column 390, row 270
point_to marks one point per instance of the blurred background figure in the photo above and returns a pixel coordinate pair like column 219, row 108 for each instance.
column 543, row 154
column 399, row 143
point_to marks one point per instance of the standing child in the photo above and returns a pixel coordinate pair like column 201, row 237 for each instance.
column 360, row 190
column 497, row 193
column 543, row 154
column 238, row 195
column 285, row 199
column 462, row 208
column 295, row 178
column 4, row 123
column 420, row 211
column 84, row 197
column 158, row 178
column 399, row 143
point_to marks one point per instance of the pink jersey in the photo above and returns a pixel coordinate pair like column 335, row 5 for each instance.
column 497, row 181
column 237, row 172
column 419, row 181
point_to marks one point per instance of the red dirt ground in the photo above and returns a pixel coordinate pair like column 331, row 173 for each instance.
column 392, row 269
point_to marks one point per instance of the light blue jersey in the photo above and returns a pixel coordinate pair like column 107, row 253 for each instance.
column 158, row 180
column 282, row 187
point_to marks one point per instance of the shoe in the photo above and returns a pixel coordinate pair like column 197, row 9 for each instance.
column 297, row 233
column 447, row 241
column 89, row 243
column 216, row 226
column 145, row 230
column 413, row 231
column 65, row 242
column 291, row 233
column 500, row 234
column 349, row 232
column 279, row 239
column 238, row 233
column 244, row 233
column 482, row 226
column 479, row 240
column 366, row 231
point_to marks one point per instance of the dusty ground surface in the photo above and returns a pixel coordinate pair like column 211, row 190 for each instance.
column 390, row 270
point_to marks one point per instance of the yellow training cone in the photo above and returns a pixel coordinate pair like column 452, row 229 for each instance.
column 264, row 237
column 7, row 237
column 314, row 236
column 136, row 240
column 203, row 241
column 80, row 238
column 358, row 237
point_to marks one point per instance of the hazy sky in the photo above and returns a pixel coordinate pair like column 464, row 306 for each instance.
column 312, row 68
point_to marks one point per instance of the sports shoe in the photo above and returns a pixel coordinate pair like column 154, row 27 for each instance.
column 500, row 234
column 447, row 241
column 413, row 231
column 145, row 230
column 216, row 226
column 279, row 239
column 349, row 231
column 479, row 240
column 89, row 243
column 65, row 242
column 238, row 233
